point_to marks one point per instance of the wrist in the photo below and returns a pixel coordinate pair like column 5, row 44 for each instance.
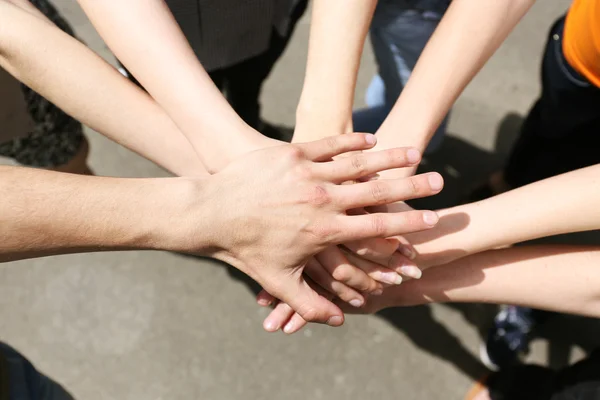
column 315, row 121
column 250, row 140
column 186, row 215
column 401, row 129
column 457, row 235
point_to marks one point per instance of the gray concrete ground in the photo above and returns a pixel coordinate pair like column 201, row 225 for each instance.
column 152, row 325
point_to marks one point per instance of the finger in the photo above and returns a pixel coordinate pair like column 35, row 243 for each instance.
column 325, row 149
column 386, row 191
column 392, row 274
column 294, row 324
column 322, row 278
column 375, row 271
column 280, row 315
column 407, row 249
column 385, row 262
column 295, row 291
column 264, row 299
column 364, row 164
column 375, row 249
column 338, row 266
column 382, row 225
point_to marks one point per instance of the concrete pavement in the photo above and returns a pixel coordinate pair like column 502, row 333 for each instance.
column 153, row 325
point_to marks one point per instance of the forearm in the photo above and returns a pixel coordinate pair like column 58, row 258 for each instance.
column 562, row 204
column 70, row 75
column 44, row 213
column 467, row 36
column 337, row 36
column 558, row 278
column 144, row 36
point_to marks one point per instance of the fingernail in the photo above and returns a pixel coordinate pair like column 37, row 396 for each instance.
column 391, row 277
column 413, row 156
column 406, row 252
column 335, row 321
column 411, row 272
column 264, row 302
column 371, row 139
column 430, row 218
column 435, row 181
column 270, row 326
column 289, row 327
column 377, row 292
column 356, row 303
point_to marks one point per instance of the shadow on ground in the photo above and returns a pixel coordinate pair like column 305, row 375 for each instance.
column 463, row 167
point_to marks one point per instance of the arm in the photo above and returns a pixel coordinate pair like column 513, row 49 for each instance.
column 144, row 35
column 562, row 204
column 44, row 213
column 558, row 278
column 337, row 36
column 48, row 60
column 472, row 29
column 266, row 223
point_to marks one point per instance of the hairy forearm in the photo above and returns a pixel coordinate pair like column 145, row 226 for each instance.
column 558, row 278
column 337, row 37
column 44, row 213
column 70, row 75
column 144, row 36
column 562, row 204
column 467, row 36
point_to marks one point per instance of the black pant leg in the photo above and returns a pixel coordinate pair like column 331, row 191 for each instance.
column 244, row 81
column 561, row 132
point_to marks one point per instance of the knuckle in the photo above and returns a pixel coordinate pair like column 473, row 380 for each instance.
column 359, row 163
column 318, row 196
column 308, row 313
column 378, row 225
column 332, row 143
column 323, row 233
column 380, row 192
column 343, row 273
column 294, row 153
column 371, row 286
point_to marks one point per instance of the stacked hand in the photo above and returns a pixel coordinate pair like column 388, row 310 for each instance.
column 298, row 208
column 424, row 252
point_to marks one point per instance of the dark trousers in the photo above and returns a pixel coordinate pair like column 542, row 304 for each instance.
column 580, row 381
column 562, row 131
column 242, row 83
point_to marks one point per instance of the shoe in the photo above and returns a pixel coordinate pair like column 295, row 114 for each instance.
column 479, row 390
column 508, row 340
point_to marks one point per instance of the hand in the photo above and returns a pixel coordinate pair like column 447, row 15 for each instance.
column 283, row 316
column 272, row 222
column 395, row 253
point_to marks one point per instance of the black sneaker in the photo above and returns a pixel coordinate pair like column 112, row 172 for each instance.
column 508, row 340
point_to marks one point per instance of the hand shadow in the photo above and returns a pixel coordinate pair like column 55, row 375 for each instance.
column 463, row 165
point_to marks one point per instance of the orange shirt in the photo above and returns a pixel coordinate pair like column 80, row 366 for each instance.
column 581, row 41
